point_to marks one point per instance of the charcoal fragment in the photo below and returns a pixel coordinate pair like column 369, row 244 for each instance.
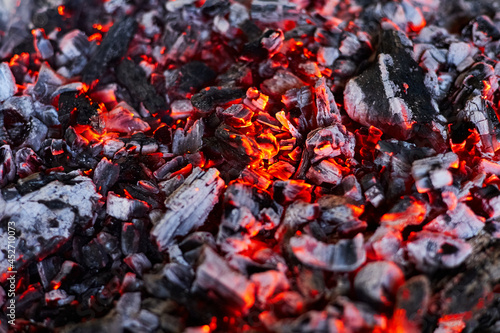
column 213, row 273
column 138, row 262
column 430, row 251
column 432, row 172
column 412, row 300
column 7, row 82
column 341, row 213
column 135, row 80
column 345, row 256
column 407, row 106
column 188, row 206
column 94, row 255
column 195, row 75
column 460, row 222
column 7, row 165
column 46, row 217
column 124, row 208
column 377, row 283
column 105, row 175
column 207, row 99
column 113, row 46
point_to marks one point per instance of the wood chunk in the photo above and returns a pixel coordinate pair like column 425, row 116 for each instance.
column 188, row 206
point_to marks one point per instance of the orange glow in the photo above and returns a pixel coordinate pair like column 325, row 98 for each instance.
column 97, row 37
column 205, row 329
column 423, row 23
column 60, row 10
column 486, row 89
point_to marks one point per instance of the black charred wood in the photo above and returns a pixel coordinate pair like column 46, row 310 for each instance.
column 113, row 47
column 134, row 79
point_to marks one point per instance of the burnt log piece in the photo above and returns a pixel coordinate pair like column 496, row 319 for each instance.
column 113, row 46
column 391, row 94
column 134, row 79
column 187, row 207
column 45, row 218
column 345, row 256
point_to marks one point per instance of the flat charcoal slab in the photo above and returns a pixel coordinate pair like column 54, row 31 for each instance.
column 44, row 219
column 391, row 93
column 188, row 207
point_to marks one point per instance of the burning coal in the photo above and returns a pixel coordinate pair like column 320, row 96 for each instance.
column 268, row 165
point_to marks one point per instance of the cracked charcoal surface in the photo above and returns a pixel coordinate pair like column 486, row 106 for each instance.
column 391, row 94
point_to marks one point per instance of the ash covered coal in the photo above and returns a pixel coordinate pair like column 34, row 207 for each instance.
column 265, row 166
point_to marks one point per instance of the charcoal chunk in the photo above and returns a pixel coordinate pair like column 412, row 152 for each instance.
column 105, row 175
column 430, row 251
column 391, row 94
column 207, row 99
column 188, row 206
column 46, row 218
column 78, row 109
column 7, row 165
column 345, row 256
column 412, row 300
column 377, row 283
column 113, row 47
column 194, row 76
column 213, row 273
column 460, row 222
column 134, row 79
column 7, row 82
column 124, row 208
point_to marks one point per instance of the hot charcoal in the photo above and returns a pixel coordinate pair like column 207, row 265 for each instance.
column 264, row 166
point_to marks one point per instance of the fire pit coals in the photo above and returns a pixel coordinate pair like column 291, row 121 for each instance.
column 214, row 166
